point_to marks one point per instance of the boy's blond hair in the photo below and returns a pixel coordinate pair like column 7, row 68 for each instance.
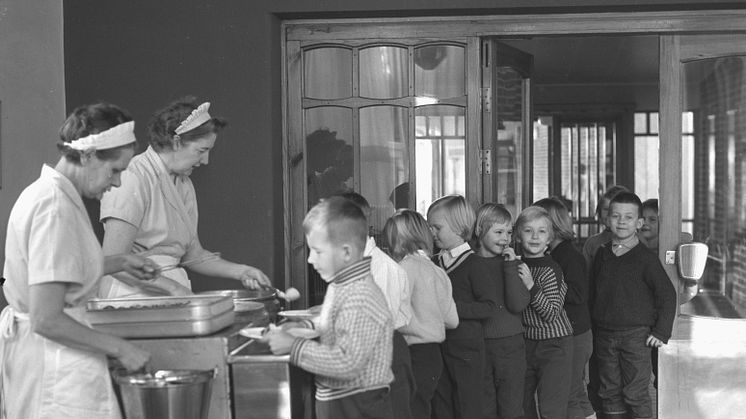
column 488, row 215
column 530, row 214
column 343, row 220
column 458, row 214
column 407, row 232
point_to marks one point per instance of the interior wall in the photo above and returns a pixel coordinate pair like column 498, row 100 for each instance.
column 141, row 55
column 32, row 96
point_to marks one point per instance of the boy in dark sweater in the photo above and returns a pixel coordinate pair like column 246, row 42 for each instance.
column 633, row 305
column 460, row 388
column 503, row 332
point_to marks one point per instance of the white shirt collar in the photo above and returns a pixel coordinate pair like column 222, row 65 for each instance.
column 370, row 244
column 458, row 250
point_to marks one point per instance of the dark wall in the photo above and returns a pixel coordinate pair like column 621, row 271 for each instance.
column 142, row 54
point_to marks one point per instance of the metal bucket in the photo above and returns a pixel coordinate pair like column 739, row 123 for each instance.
column 166, row 394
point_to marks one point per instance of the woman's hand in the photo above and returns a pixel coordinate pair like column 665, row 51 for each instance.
column 252, row 278
column 140, row 267
column 132, row 357
column 525, row 274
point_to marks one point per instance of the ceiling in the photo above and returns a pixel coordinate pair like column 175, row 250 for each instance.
column 609, row 60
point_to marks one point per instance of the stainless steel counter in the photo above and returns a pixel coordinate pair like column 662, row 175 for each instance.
column 267, row 386
column 250, row 382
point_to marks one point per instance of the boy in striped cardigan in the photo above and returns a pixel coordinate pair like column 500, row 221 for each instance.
column 548, row 332
column 352, row 360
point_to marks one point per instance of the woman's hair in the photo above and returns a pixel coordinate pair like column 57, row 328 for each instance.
column 406, row 232
column 88, row 120
column 488, row 215
column 559, row 216
column 530, row 214
column 162, row 125
column 458, row 214
column 650, row 203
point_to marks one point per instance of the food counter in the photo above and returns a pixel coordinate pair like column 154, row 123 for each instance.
column 249, row 382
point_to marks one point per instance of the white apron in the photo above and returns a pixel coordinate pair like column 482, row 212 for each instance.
column 112, row 288
column 50, row 380
column 163, row 207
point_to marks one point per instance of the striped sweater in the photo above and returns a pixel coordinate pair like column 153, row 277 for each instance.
column 545, row 317
column 355, row 346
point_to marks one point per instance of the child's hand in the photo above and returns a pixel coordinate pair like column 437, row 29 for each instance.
column 279, row 341
column 525, row 274
column 509, row 253
column 654, row 342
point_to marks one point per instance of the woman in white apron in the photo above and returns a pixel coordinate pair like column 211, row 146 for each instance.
column 53, row 364
column 154, row 212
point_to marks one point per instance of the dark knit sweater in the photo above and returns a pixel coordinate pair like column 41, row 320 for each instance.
column 632, row 290
column 474, row 292
column 575, row 274
column 511, row 296
column 545, row 316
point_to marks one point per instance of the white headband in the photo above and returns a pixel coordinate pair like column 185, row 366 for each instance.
column 198, row 117
column 119, row 135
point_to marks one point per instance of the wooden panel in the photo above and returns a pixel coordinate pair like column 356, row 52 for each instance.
column 670, row 151
column 697, row 47
column 474, row 124
column 587, row 23
column 294, row 173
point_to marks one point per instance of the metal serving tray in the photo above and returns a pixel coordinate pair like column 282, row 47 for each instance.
column 157, row 309
column 160, row 329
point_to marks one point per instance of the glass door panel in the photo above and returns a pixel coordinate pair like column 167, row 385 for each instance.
column 329, row 153
column 384, row 155
column 714, row 93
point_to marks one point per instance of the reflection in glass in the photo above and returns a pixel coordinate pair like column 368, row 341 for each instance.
column 439, row 71
column 329, row 157
column 327, row 73
column 384, row 72
column 440, row 160
column 714, row 93
column 510, row 144
column 383, row 152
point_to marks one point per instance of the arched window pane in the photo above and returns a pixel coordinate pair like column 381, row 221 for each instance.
column 327, row 73
column 383, row 72
column 329, row 155
column 439, row 71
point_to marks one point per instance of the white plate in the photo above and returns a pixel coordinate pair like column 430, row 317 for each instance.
column 253, row 332
column 298, row 314
column 300, row 332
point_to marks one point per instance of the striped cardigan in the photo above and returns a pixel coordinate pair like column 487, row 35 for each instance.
column 355, row 346
column 545, row 316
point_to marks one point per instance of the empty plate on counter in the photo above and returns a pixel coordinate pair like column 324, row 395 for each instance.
column 298, row 314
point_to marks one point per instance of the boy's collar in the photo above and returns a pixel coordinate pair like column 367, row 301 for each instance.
column 356, row 270
column 458, row 250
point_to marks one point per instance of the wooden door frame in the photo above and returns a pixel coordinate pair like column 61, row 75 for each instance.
column 666, row 24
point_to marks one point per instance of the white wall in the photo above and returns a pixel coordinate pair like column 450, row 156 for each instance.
column 32, row 95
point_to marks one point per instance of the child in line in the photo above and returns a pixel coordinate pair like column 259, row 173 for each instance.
column 591, row 245
column 575, row 274
column 410, row 243
column 633, row 305
column 393, row 282
column 548, row 333
column 460, row 389
column 352, row 359
column 503, row 332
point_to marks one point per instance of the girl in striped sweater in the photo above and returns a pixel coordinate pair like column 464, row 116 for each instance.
column 548, row 332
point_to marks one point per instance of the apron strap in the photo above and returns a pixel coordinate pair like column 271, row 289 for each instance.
column 8, row 319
